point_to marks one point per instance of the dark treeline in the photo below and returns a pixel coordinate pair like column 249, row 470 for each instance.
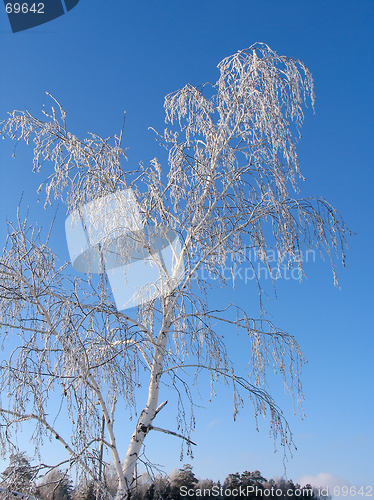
column 20, row 476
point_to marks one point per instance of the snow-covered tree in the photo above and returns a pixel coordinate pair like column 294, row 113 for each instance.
column 56, row 485
column 18, row 477
column 183, row 477
column 232, row 166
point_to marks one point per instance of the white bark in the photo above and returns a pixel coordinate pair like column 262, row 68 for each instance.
column 149, row 412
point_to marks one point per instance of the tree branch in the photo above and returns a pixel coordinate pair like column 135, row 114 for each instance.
column 172, row 433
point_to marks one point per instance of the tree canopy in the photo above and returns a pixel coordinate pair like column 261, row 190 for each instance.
column 232, row 166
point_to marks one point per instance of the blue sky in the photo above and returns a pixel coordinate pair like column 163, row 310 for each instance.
column 102, row 58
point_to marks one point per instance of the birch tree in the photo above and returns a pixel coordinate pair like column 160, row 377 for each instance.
column 229, row 184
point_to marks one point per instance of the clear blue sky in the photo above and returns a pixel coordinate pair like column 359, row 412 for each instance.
column 104, row 57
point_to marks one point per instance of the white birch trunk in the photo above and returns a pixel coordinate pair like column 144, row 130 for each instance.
column 146, row 416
